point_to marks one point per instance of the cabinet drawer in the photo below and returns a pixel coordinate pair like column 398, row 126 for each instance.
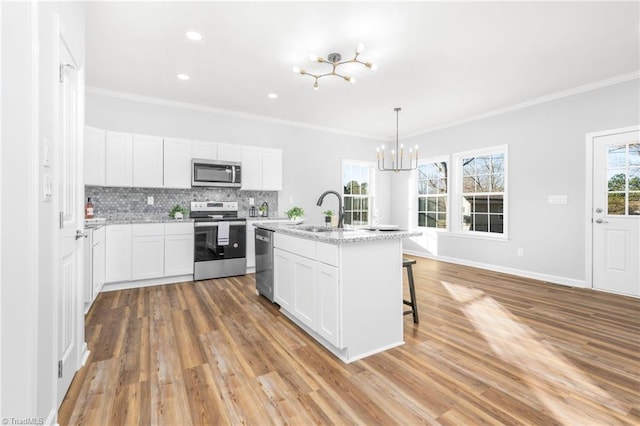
column 98, row 236
column 328, row 253
column 147, row 229
column 178, row 228
column 299, row 246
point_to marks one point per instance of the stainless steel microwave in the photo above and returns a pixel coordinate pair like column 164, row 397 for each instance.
column 215, row 173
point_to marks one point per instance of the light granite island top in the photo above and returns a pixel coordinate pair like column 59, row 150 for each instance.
column 342, row 287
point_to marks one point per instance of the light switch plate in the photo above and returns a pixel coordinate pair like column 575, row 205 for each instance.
column 46, row 152
column 47, row 188
column 150, row 200
column 557, row 199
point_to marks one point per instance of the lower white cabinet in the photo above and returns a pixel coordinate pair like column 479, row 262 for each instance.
column 178, row 249
column 118, row 253
column 150, row 250
column 94, row 270
column 307, row 287
column 147, row 251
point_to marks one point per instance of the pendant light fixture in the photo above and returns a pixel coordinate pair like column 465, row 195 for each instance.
column 335, row 60
column 397, row 155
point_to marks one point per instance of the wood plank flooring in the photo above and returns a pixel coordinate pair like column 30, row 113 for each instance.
column 490, row 349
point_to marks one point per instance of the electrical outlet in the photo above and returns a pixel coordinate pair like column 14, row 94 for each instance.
column 149, row 201
column 520, row 252
column 251, row 201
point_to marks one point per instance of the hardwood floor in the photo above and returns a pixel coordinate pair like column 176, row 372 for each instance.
column 490, row 349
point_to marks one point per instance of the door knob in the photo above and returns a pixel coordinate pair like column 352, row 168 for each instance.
column 600, row 221
column 80, row 234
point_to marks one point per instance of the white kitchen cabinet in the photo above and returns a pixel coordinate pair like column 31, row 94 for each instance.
column 147, row 161
column 177, row 163
column 327, row 294
column 98, row 260
column 283, row 278
column 271, row 169
column 147, row 251
column 94, row 156
column 118, row 253
column 229, row 152
column 251, row 168
column 304, row 294
column 206, row 150
column 261, row 168
column 178, row 249
column 118, row 159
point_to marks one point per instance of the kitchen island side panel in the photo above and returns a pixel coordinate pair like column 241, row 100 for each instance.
column 371, row 296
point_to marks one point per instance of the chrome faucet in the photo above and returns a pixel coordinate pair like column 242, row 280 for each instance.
column 340, row 208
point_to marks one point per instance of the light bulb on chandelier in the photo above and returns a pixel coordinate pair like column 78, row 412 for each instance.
column 397, row 155
column 335, row 60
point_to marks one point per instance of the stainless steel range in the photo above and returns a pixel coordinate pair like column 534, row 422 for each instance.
column 219, row 239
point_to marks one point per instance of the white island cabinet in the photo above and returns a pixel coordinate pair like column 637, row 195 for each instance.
column 344, row 288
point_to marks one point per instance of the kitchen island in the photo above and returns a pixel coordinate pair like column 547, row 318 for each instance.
column 342, row 287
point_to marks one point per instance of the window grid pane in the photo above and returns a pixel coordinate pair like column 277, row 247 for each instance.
column 623, row 179
column 483, row 193
column 432, row 195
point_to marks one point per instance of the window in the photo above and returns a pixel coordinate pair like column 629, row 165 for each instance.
column 482, row 191
column 623, row 176
column 433, row 194
column 358, row 191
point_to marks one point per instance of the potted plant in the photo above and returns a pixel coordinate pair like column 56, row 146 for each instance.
column 178, row 212
column 327, row 216
column 295, row 213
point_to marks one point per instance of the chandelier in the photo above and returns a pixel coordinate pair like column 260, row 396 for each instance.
column 335, row 60
column 397, row 155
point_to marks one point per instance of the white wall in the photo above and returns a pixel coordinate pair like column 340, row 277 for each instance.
column 312, row 159
column 547, row 156
column 28, row 105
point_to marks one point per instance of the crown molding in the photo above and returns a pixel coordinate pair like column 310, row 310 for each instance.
column 536, row 101
column 201, row 108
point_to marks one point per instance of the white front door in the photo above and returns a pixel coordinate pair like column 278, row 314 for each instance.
column 616, row 213
column 69, row 300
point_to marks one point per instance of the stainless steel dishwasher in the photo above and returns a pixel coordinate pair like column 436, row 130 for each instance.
column 264, row 262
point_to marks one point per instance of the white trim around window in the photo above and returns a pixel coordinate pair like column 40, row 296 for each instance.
column 445, row 196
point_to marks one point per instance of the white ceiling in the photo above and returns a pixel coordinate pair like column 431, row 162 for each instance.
column 440, row 61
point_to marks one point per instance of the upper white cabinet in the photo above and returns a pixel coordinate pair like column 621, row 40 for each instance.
column 251, row 168
column 205, row 150
column 228, row 152
column 119, row 159
column 177, row 163
column 261, row 168
column 147, row 161
column 94, row 156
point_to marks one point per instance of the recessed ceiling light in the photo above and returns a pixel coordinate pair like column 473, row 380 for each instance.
column 183, row 77
column 195, row 36
column 272, row 96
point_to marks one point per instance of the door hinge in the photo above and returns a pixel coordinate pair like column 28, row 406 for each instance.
column 60, row 369
column 61, row 69
column 61, row 220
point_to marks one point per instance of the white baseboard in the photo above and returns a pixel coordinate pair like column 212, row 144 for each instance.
column 52, row 418
column 85, row 354
column 553, row 279
column 126, row 285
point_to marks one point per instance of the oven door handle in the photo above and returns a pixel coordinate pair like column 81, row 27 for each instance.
column 215, row 224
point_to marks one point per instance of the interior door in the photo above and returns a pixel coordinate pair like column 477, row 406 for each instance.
column 616, row 213
column 70, row 332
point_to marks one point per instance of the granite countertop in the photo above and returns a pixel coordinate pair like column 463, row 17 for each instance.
column 98, row 222
column 349, row 235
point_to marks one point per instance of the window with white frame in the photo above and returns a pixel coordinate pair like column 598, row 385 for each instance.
column 481, row 185
column 433, row 194
column 358, row 191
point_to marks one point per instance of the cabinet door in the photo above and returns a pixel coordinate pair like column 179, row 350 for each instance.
column 88, row 264
column 271, row 169
column 94, row 156
column 251, row 168
column 118, row 253
column 147, row 161
column 98, row 259
column 283, row 278
column 205, row 150
column 178, row 254
column 327, row 295
column 119, row 159
column 177, row 163
column 229, row 152
column 304, row 290
column 148, row 257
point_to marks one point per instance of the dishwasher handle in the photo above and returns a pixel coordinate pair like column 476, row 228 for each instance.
column 263, row 238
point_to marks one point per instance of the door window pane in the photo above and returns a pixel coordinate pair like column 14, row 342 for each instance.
column 616, row 204
column 623, row 179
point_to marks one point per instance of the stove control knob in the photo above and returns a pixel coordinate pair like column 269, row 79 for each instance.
column 235, row 245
